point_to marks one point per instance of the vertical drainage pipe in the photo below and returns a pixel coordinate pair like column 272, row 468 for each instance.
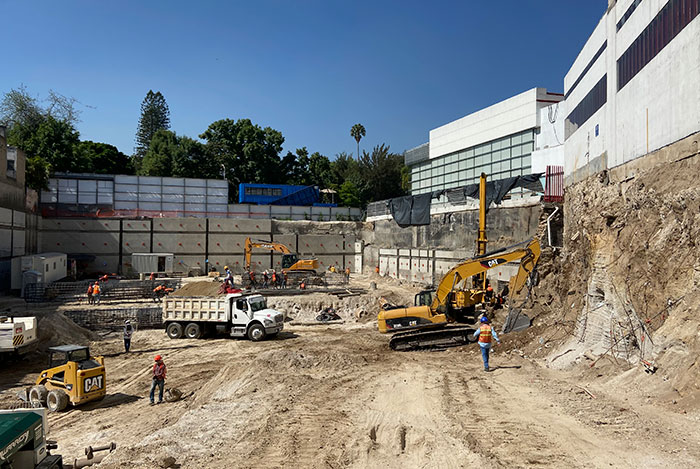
column 549, row 229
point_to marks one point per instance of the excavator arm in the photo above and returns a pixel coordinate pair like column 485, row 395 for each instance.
column 269, row 245
column 457, row 277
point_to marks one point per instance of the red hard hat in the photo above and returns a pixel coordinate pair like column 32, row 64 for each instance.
column 158, row 358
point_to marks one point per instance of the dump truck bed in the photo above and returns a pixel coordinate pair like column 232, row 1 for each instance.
column 205, row 309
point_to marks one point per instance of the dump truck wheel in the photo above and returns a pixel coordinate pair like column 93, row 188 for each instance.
column 193, row 331
column 174, row 330
column 256, row 332
column 37, row 395
column 56, row 400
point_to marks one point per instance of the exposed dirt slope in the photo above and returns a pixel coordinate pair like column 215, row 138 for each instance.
column 626, row 286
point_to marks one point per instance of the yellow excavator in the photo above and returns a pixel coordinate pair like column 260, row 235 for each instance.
column 290, row 261
column 428, row 324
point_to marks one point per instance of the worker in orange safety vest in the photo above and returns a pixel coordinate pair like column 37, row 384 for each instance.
column 486, row 334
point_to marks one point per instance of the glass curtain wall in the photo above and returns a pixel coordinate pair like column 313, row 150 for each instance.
column 499, row 159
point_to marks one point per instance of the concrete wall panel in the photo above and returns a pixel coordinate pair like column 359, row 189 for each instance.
column 179, row 243
column 136, row 225
column 185, row 263
column 136, row 242
column 179, row 225
column 232, row 243
column 326, row 261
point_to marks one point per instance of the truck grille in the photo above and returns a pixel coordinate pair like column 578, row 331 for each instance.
column 279, row 318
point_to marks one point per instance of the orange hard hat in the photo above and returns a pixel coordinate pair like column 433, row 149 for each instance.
column 158, row 358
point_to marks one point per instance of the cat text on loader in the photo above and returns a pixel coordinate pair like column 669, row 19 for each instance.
column 290, row 261
column 73, row 377
column 456, row 297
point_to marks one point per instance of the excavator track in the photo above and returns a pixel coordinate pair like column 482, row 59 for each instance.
column 432, row 339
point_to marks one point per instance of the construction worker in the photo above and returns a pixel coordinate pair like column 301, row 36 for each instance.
column 158, row 379
column 489, row 293
column 274, row 279
column 128, row 332
column 96, row 293
column 347, row 273
column 284, row 279
column 376, row 270
column 229, row 276
column 251, row 275
column 486, row 333
column 89, row 294
column 104, row 278
column 265, row 279
column 152, row 277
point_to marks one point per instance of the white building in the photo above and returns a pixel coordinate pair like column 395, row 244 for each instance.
column 498, row 140
column 635, row 86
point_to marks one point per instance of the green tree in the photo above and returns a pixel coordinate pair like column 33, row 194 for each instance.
column 37, row 172
column 357, row 132
column 383, row 172
column 155, row 116
column 320, row 171
column 249, row 152
column 349, row 195
column 103, row 158
column 177, row 156
column 46, row 134
column 296, row 167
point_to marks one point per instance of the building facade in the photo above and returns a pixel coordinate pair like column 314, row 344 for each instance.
column 635, row 85
column 498, row 140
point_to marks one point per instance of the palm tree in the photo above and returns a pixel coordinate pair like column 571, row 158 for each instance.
column 358, row 131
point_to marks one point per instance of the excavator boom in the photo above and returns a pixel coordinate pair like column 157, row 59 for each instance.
column 460, row 290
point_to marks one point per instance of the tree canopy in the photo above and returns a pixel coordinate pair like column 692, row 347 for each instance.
column 238, row 150
column 357, row 132
column 155, row 116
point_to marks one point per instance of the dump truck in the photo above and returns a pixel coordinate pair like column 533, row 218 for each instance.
column 237, row 314
column 23, row 443
column 73, row 377
column 17, row 335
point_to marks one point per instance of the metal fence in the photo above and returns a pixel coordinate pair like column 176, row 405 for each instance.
column 112, row 290
column 113, row 319
column 554, row 184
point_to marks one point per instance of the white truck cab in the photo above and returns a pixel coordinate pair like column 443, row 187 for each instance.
column 238, row 314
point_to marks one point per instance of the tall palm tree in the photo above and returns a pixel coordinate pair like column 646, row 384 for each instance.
column 358, row 131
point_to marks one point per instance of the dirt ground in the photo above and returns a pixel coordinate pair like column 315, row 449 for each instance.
column 336, row 396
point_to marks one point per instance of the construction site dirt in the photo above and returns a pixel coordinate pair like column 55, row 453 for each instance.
column 334, row 395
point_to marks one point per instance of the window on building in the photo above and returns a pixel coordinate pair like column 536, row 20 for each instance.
column 667, row 24
column 589, row 105
column 266, row 191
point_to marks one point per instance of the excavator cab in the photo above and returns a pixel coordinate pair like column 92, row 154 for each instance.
column 424, row 298
column 289, row 260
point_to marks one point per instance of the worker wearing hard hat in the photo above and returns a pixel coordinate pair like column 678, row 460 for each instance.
column 229, row 276
column 158, row 379
column 486, row 334
column 96, row 293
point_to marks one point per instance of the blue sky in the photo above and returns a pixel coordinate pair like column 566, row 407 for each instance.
column 310, row 69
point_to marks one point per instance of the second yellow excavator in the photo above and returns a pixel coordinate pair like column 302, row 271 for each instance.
column 290, row 261
column 427, row 324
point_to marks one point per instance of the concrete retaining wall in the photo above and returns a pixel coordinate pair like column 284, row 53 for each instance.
column 199, row 243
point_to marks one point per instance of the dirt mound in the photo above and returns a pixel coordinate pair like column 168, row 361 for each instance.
column 202, row 288
column 57, row 329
